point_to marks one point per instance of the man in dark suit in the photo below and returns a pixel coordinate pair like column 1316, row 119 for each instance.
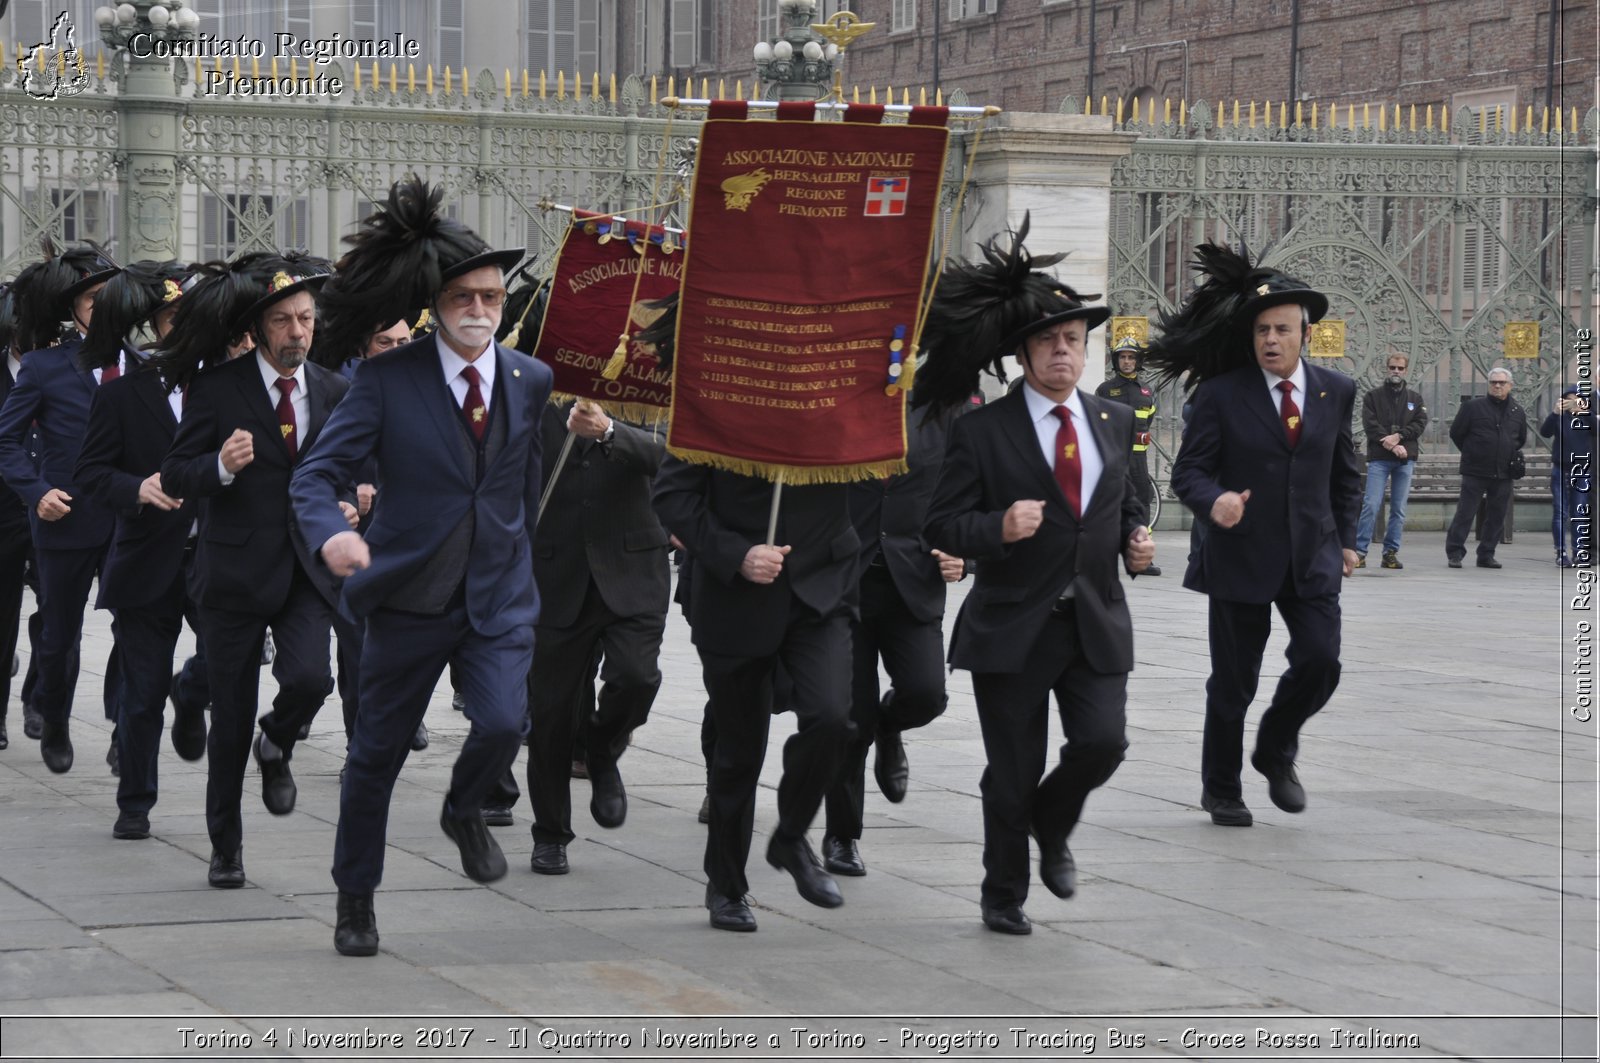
column 445, row 572
column 1037, row 487
column 16, row 538
column 132, row 421
column 751, row 607
column 70, row 534
column 1268, row 465
column 600, row 561
column 247, row 423
column 902, row 585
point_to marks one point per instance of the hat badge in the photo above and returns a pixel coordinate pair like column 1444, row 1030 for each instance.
column 170, row 291
column 1263, row 290
column 281, row 280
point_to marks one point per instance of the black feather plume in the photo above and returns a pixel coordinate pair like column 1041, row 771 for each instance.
column 1204, row 337
column 209, row 315
column 394, row 268
column 127, row 302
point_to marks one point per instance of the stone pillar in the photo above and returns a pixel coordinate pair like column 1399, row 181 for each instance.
column 149, row 110
column 1057, row 168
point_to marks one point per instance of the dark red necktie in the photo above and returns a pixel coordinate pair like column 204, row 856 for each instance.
column 286, row 413
column 1068, row 463
column 1290, row 413
column 473, row 406
column 110, row 372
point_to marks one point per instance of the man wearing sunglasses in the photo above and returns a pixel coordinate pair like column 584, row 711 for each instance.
column 444, row 575
column 1394, row 417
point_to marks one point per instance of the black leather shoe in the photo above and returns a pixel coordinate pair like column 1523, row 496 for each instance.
column 5, row 739
column 1453, row 562
column 1153, row 570
column 842, row 856
column 458, row 701
column 481, row 858
column 356, row 931
column 609, row 805
column 1057, row 870
column 188, row 725
column 1010, row 919
column 1226, row 811
column 278, row 791
column 113, row 758
column 1283, row 785
column 227, row 872
column 55, row 746
column 889, row 764
column 729, row 913
column 419, row 741
column 795, row 856
column 131, row 826
column 1489, row 562
column 550, row 858
column 32, row 722
column 705, row 809
column 497, row 816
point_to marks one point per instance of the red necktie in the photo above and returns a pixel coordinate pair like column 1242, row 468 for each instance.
column 473, row 406
column 111, row 372
column 1068, row 464
column 285, row 387
column 1290, row 413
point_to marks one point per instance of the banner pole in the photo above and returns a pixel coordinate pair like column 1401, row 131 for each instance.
column 772, row 517
column 555, row 474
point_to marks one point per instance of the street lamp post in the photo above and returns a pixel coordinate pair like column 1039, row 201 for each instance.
column 798, row 63
column 148, row 109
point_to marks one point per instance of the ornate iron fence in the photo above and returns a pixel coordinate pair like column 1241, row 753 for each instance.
column 1464, row 245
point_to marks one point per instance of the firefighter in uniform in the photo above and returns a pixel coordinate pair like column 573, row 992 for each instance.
column 1126, row 388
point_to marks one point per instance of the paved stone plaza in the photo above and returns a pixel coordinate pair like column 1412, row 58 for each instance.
column 1445, row 868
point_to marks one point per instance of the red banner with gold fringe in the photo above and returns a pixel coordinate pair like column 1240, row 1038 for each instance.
column 802, row 289
column 593, row 301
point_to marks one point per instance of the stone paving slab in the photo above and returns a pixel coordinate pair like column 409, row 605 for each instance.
column 1446, row 867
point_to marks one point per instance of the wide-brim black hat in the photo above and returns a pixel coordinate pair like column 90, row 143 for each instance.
column 1280, row 288
column 130, row 299
column 100, row 276
column 283, row 284
column 983, row 311
column 506, row 260
column 1071, row 310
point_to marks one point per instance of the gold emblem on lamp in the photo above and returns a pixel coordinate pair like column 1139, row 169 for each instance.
column 1522, row 339
column 1327, row 339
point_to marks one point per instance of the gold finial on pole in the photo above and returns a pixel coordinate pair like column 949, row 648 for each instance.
column 840, row 30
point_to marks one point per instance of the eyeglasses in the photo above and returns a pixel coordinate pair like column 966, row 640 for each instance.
column 462, row 298
column 1499, row 383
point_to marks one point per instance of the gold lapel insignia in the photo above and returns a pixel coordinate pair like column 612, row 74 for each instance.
column 1322, row 394
column 286, row 429
column 1104, row 416
column 516, row 372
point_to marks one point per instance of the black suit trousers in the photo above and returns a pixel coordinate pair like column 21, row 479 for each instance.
column 815, row 652
column 146, row 637
column 1014, row 715
column 1239, row 633
column 562, row 667
column 65, row 577
column 233, row 666
column 913, row 654
column 1495, row 497
column 13, row 579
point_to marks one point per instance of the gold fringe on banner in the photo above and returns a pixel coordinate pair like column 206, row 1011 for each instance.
column 632, row 412
column 793, row 475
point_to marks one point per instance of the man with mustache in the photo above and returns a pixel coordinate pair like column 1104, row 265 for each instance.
column 444, row 574
column 245, row 425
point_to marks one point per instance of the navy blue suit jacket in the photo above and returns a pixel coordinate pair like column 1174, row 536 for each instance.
column 131, row 427
column 1303, row 502
column 52, row 391
column 400, row 411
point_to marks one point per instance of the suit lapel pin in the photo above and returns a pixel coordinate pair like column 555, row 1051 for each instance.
column 516, row 372
column 1322, row 394
column 1104, row 416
